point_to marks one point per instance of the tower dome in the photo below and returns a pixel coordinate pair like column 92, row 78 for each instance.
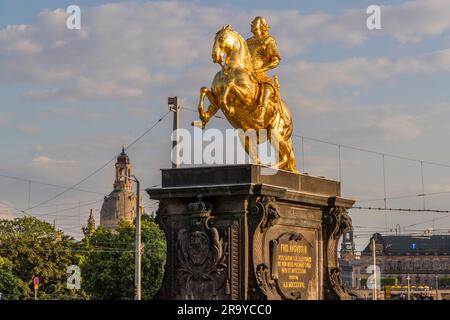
column 120, row 204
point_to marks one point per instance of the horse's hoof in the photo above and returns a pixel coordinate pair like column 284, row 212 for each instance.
column 203, row 90
column 231, row 111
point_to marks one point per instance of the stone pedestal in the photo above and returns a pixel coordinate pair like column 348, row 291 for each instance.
column 234, row 232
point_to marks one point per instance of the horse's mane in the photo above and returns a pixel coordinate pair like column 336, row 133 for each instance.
column 243, row 45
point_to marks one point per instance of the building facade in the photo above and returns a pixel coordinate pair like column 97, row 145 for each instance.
column 120, row 204
column 425, row 260
column 349, row 262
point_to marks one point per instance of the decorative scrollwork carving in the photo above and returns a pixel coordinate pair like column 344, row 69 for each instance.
column 262, row 215
column 263, row 278
column 161, row 215
column 265, row 207
column 336, row 223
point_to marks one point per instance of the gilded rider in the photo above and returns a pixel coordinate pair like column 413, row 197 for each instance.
column 265, row 56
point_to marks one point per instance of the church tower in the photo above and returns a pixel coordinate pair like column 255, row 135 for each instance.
column 123, row 172
column 347, row 244
column 121, row 202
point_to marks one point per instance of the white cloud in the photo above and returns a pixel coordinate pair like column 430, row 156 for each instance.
column 115, row 56
column 402, row 127
column 411, row 21
column 112, row 56
column 314, row 77
column 296, row 32
column 317, row 87
column 44, row 160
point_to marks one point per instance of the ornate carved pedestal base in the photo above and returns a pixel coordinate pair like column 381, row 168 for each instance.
column 234, row 233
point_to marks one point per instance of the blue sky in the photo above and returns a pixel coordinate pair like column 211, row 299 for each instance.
column 70, row 99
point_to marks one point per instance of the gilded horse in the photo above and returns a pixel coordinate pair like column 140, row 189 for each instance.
column 236, row 91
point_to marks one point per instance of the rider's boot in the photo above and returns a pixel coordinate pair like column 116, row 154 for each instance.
column 264, row 104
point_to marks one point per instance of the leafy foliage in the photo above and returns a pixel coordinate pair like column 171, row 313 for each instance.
column 36, row 249
column 32, row 248
column 9, row 282
column 108, row 272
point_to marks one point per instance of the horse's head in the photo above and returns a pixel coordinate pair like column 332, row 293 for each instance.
column 223, row 43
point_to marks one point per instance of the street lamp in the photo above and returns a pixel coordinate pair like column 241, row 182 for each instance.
column 174, row 106
column 409, row 288
column 374, row 262
column 437, row 287
column 137, row 250
column 137, row 244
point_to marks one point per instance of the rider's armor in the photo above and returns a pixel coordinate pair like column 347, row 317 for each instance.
column 262, row 52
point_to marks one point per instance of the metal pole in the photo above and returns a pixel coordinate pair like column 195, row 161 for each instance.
column 423, row 185
column 409, row 288
column 374, row 262
column 174, row 106
column 437, row 287
column 137, row 251
column 384, row 188
column 303, row 154
column 29, row 194
column 340, row 163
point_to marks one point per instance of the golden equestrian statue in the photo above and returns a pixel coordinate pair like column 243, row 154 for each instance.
column 244, row 92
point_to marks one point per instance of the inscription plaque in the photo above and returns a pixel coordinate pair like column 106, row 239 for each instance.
column 292, row 265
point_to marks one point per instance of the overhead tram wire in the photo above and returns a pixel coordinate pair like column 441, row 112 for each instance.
column 427, row 221
column 64, row 204
column 12, row 207
column 404, row 196
column 352, row 147
column 193, row 110
column 300, row 136
column 375, row 152
column 54, row 213
column 383, row 155
column 47, row 184
column 101, row 167
column 400, row 209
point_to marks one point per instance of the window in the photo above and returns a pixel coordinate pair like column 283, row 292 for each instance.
column 387, row 267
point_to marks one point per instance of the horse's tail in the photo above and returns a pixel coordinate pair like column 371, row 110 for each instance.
column 284, row 124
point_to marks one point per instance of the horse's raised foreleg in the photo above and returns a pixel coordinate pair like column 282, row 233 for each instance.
column 212, row 108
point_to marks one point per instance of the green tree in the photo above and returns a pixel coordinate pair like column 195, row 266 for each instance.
column 389, row 282
column 36, row 249
column 108, row 271
column 9, row 282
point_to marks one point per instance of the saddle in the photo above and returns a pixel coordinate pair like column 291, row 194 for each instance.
column 274, row 84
